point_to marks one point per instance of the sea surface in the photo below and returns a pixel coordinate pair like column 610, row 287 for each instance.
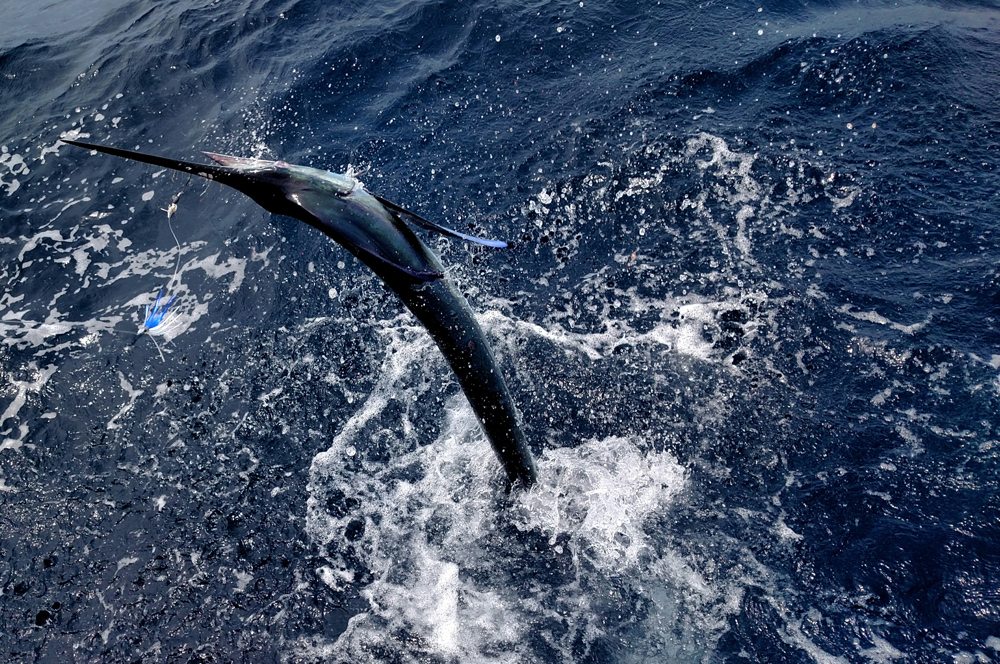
column 750, row 315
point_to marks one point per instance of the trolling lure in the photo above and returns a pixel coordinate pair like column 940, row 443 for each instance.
column 159, row 320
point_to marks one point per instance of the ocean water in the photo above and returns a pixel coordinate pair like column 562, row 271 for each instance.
column 749, row 316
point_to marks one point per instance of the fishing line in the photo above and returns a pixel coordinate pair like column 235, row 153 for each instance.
column 171, row 209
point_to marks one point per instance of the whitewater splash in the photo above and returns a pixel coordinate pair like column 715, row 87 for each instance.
column 448, row 562
column 452, row 568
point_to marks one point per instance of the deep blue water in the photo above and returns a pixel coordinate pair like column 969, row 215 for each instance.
column 750, row 317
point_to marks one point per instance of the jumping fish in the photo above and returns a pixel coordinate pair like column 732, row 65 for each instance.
column 377, row 233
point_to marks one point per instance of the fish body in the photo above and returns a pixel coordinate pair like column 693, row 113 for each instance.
column 378, row 233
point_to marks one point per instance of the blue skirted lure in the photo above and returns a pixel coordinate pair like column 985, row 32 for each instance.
column 158, row 319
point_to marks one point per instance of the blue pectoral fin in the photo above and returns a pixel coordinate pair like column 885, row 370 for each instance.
column 403, row 213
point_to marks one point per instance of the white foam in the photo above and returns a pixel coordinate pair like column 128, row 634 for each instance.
column 431, row 514
column 115, row 422
column 878, row 319
column 125, row 562
column 881, row 652
column 243, row 580
column 34, row 385
column 601, row 492
column 14, row 165
column 426, row 541
column 683, row 333
column 15, row 443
